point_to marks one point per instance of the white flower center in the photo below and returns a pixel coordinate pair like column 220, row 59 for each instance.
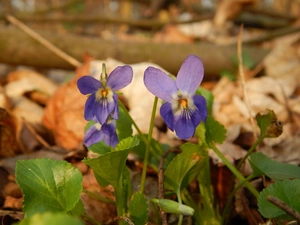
column 104, row 94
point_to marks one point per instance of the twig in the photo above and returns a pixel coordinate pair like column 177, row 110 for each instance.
column 243, row 82
column 127, row 220
column 273, row 34
column 90, row 19
column 43, row 41
column 284, row 207
column 35, row 134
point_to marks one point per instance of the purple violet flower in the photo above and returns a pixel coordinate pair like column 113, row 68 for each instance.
column 98, row 132
column 183, row 110
column 103, row 100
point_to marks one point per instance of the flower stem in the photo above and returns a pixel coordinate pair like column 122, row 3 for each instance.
column 148, row 145
column 137, row 128
column 253, row 147
column 233, row 169
column 229, row 201
column 180, row 202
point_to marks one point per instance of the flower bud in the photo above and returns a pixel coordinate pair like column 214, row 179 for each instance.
column 170, row 206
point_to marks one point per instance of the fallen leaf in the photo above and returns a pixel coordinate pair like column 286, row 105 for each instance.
column 8, row 128
column 64, row 112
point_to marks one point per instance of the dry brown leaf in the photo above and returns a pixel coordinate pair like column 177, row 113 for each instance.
column 8, row 141
column 13, row 203
column 64, row 112
column 22, row 81
column 96, row 209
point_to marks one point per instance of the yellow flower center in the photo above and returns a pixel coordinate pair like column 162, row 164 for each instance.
column 183, row 102
column 104, row 93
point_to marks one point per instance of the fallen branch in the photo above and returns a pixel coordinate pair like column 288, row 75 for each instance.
column 17, row 48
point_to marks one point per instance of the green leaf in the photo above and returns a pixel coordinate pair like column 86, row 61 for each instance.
column 263, row 165
column 208, row 97
column 287, row 191
column 108, row 168
column 183, row 168
column 156, row 148
column 50, row 218
column 128, row 143
column 48, row 185
column 268, row 124
column 200, row 134
column 78, row 210
column 124, row 125
column 138, row 209
column 215, row 132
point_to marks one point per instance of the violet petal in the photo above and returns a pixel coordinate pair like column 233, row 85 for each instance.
column 159, row 83
column 190, row 74
column 102, row 109
column 120, row 77
column 88, row 108
column 92, row 136
column 167, row 114
column 88, row 85
column 184, row 126
column 200, row 103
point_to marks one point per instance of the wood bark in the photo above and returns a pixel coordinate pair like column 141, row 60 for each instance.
column 17, row 48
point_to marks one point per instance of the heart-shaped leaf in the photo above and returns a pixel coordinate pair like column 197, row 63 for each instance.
column 287, row 191
column 51, row 218
column 183, row 168
column 108, row 168
column 48, row 185
column 214, row 131
column 138, row 209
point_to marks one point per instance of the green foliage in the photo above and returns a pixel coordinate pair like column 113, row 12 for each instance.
column 78, row 209
column 127, row 143
column 183, row 168
column 263, row 165
column 108, row 168
column 138, row 209
column 170, row 206
column 268, row 124
column 155, row 153
column 50, row 219
column 124, row 125
column 48, row 185
column 287, row 191
column 214, row 131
